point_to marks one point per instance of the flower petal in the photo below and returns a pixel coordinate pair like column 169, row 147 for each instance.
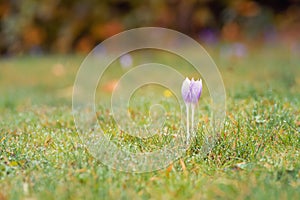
column 185, row 90
column 195, row 90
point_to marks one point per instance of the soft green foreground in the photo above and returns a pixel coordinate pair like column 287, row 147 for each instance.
column 257, row 155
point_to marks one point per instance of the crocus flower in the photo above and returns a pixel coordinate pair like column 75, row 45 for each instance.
column 191, row 91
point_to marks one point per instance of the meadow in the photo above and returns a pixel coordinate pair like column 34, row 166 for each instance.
column 256, row 156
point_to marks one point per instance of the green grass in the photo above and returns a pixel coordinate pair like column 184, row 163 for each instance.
column 256, row 156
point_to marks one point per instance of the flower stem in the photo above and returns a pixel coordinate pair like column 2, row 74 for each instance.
column 193, row 112
column 187, row 122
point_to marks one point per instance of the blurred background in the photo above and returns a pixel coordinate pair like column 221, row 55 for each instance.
column 255, row 44
column 72, row 26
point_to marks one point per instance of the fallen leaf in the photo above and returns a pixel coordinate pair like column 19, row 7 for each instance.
column 183, row 166
column 169, row 169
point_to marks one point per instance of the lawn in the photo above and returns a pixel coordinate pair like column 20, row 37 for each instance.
column 256, row 156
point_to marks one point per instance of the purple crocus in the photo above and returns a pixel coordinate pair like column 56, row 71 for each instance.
column 191, row 91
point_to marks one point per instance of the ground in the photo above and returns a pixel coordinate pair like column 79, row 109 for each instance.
column 256, row 156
